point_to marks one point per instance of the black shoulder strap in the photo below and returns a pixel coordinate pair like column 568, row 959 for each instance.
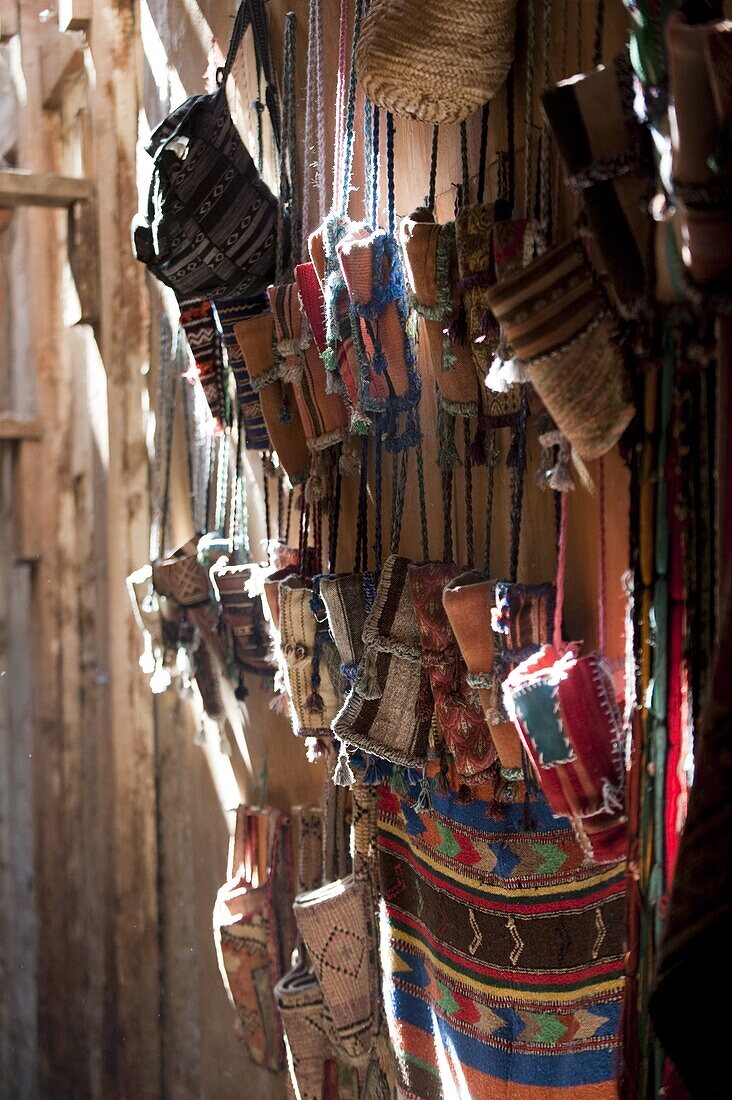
column 253, row 13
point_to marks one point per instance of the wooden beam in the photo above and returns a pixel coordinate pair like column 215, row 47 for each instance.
column 74, row 15
column 27, row 533
column 8, row 19
column 62, row 59
column 21, row 188
column 13, row 426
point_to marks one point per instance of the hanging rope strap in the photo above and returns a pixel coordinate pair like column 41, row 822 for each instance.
column 334, row 519
column 361, row 562
column 347, row 134
column 561, row 570
column 424, row 533
column 599, row 33
column 484, row 120
column 390, row 172
column 433, row 168
column 468, row 460
column 492, row 460
column 529, row 130
column 518, row 462
column 378, row 498
column 464, row 198
column 602, row 559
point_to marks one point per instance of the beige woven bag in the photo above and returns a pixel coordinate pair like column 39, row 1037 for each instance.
column 435, row 60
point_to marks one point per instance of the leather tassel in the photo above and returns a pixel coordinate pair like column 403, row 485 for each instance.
column 423, row 805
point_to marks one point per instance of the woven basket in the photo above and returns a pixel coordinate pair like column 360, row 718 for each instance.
column 565, row 710
column 468, row 602
column 389, row 711
column 557, row 322
column 337, row 924
column 430, row 262
column 255, row 337
column 306, row 1025
column 460, row 717
column 183, row 578
column 607, row 154
column 433, row 60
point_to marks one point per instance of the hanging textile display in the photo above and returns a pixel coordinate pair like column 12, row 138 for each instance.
column 502, row 952
column 480, row 906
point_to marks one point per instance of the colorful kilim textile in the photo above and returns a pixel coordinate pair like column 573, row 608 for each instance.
column 502, row 954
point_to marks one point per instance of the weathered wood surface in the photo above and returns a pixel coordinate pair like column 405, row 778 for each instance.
column 19, row 187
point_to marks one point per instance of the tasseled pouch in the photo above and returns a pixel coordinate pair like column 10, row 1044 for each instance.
column 253, row 928
column 522, row 622
column 432, row 278
column 337, row 925
column 565, row 710
column 324, row 416
column 468, row 602
column 182, row 576
column 341, row 357
column 247, row 638
column 232, row 312
column 328, row 412
column 373, row 275
column 608, row 156
column 314, row 697
column 199, row 323
column 347, row 600
column 473, row 239
column 460, row 717
column 389, row 711
column 558, row 323
column 255, row 337
column 702, row 169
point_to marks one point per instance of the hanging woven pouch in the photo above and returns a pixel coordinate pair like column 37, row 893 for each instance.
column 199, row 324
column 232, row 312
column 256, row 339
column 347, row 599
column 432, row 60
column 372, row 273
column 560, row 326
column 430, row 261
column 698, row 75
column 246, row 636
column 304, row 646
column 389, row 711
column 608, row 157
column 253, row 931
column 459, row 715
column 337, row 925
column 468, row 600
column 565, row 710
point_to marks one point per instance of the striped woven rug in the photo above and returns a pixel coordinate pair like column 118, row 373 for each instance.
column 502, row 954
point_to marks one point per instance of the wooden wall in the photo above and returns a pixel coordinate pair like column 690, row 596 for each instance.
column 113, row 825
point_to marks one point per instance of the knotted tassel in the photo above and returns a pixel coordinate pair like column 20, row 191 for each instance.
column 514, row 371
column 314, row 703
column 330, row 359
column 423, row 805
column 224, row 743
column 241, row 691
column 199, row 738
column 478, row 451
column 349, row 462
column 370, row 777
column 343, row 773
column 464, row 795
column 489, row 328
column 280, row 704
